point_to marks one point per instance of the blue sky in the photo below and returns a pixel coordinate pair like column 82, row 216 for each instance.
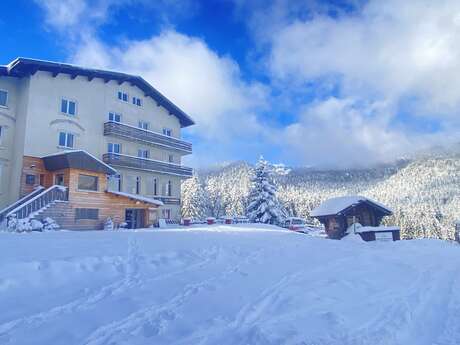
column 344, row 83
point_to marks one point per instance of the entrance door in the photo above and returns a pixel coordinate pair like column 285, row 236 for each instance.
column 135, row 218
column 59, row 179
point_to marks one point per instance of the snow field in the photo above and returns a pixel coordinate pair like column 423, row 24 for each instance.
column 226, row 285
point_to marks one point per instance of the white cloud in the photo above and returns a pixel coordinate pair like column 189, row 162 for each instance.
column 391, row 49
column 207, row 86
column 74, row 16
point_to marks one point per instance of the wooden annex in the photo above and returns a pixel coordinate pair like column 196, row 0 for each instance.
column 338, row 214
column 89, row 203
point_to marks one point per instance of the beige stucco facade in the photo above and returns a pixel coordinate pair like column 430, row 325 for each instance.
column 32, row 120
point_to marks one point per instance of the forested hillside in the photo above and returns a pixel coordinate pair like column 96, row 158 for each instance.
column 424, row 193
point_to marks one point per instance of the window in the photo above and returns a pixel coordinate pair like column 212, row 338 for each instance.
column 138, row 185
column 2, row 134
column 169, row 188
column 1, row 178
column 143, row 125
column 137, row 101
column 59, row 179
column 66, row 139
column 167, row 131
column 141, row 153
column 68, row 107
column 114, row 148
column 166, row 213
column 114, row 182
column 171, row 159
column 114, row 117
column 87, row 182
column 123, row 96
column 30, row 179
column 3, row 98
column 86, row 213
column 155, row 186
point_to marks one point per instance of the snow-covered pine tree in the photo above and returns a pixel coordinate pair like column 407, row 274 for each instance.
column 263, row 205
column 193, row 199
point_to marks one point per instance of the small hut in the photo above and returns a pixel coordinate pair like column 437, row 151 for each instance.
column 355, row 214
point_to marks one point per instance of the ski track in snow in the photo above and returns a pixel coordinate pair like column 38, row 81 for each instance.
column 305, row 296
column 129, row 281
column 153, row 318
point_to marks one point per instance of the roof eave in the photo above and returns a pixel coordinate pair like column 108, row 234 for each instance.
column 14, row 69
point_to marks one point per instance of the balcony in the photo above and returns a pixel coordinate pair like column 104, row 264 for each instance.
column 144, row 136
column 133, row 162
column 167, row 200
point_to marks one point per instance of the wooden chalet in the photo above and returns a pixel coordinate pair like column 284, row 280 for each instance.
column 339, row 214
column 71, row 187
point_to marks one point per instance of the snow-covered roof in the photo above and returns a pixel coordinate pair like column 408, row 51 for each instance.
column 76, row 159
column 336, row 205
column 138, row 197
column 377, row 228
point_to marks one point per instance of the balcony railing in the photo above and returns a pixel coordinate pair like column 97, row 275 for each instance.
column 126, row 161
column 167, row 200
column 147, row 137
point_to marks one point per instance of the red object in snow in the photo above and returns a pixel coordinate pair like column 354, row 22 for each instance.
column 187, row 221
column 210, row 221
column 228, row 220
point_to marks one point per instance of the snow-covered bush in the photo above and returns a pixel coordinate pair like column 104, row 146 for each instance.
column 12, row 223
column 50, row 224
column 123, row 225
column 264, row 206
column 108, row 224
column 24, row 225
column 36, row 225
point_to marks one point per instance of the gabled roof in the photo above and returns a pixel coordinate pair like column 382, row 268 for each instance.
column 338, row 205
column 22, row 67
column 76, row 159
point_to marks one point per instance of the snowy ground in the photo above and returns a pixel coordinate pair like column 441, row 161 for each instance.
column 231, row 286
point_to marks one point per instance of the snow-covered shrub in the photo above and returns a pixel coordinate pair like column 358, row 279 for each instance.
column 50, row 224
column 123, row 225
column 12, row 223
column 108, row 224
column 36, row 225
column 24, row 225
column 264, row 206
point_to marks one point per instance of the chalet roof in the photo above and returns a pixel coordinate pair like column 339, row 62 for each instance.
column 338, row 205
column 77, row 159
column 22, row 67
column 137, row 198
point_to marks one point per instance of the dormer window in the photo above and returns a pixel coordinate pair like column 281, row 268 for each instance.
column 167, row 131
column 137, row 101
column 123, row 96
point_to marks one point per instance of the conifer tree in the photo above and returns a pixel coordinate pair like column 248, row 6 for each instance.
column 264, row 206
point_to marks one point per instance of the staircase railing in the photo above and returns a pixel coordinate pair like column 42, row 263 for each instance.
column 29, row 196
column 46, row 197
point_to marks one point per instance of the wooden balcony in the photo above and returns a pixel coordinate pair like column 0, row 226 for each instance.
column 131, row 133
column 133, row 162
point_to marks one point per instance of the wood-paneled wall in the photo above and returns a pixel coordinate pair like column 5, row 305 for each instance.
column 109, row 205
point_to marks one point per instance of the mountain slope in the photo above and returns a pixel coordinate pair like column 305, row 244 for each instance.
column 424, row 193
